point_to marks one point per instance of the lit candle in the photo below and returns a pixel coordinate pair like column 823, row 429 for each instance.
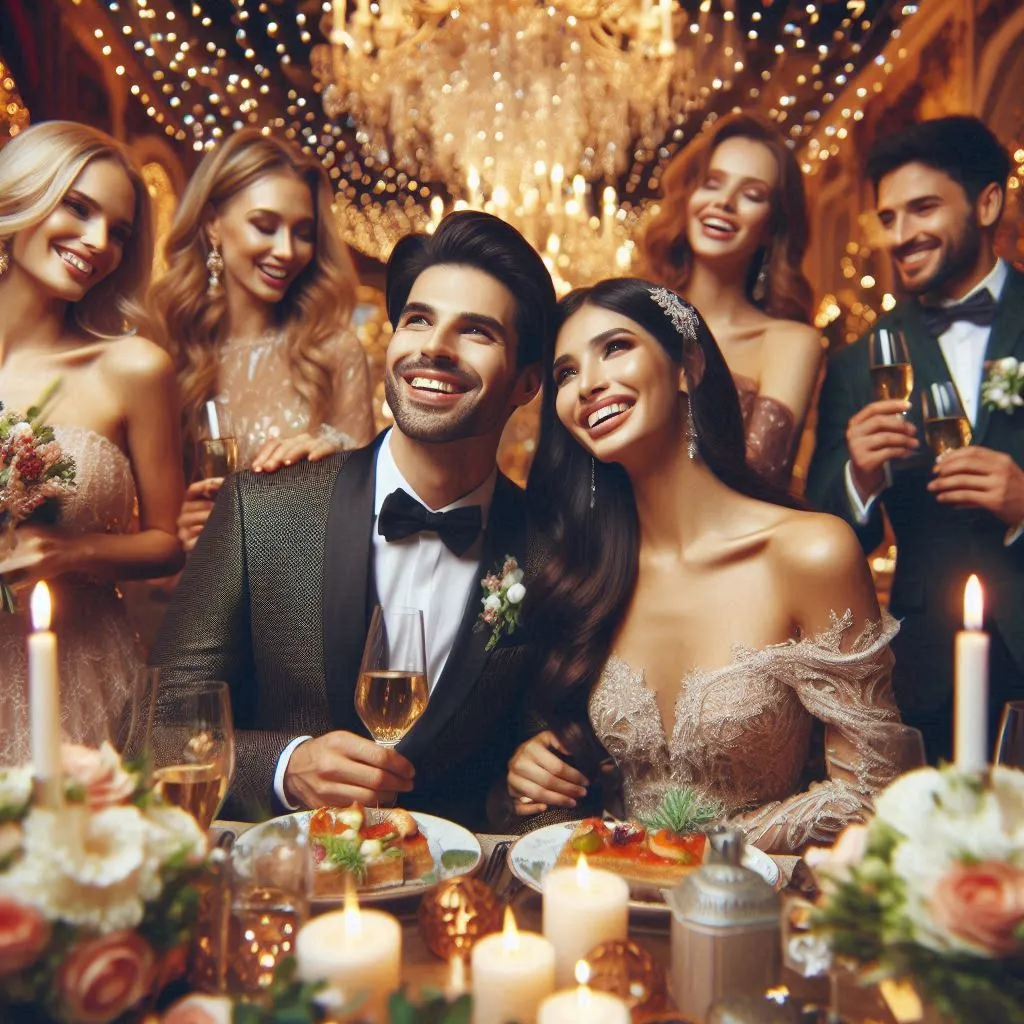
column 971, row 716
column 667, row 44
column 582, row 1005
column 512, row 974
column 582, row 907
column 44, row 701
column 355, row 951
column 456, row 977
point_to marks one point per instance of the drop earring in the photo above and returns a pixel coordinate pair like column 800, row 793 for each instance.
column 690, row 436
column 215, row 267
column 760, row 290
column 593, row 482
column 5, row 258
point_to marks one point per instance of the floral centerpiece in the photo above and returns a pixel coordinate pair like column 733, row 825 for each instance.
column 96, row 900
column 931, row 891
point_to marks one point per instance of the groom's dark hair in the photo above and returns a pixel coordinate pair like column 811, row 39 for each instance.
column 472, row 239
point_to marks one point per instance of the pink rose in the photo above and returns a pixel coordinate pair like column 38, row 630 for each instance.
column 199, row 1010
column 104, row 977
column 99, row 773
column 982, row 904
column 24, row 934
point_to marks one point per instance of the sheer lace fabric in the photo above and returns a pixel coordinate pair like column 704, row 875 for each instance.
column 256, row 386
column 742, row 733
column 98, row 652
column 770, row 429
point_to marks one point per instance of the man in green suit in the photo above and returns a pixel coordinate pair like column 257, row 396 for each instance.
column 940, row 189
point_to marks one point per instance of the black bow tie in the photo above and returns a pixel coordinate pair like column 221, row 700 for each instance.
column 980, row 308
column 402, row 515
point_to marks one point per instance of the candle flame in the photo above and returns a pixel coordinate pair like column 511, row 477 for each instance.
column 510, row 933
column 352, row 917
column 42, row 606
column 582, row 872
column 582, row 972
column 974, row 605
column 777, row 995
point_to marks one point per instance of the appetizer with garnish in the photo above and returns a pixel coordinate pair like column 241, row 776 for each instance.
column 374, row 848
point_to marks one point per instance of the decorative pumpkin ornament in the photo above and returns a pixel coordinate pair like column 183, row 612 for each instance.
column 456, row 914
column 628, row 971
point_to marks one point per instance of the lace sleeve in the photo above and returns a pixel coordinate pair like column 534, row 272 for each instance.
column 771, row 436
column 850, row 691
column 351, row 417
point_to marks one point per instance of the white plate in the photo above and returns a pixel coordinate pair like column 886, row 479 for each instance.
column 535, row 853
column 443, row 837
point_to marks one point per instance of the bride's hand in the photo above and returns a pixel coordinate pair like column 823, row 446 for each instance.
column 40, row 553
column 196, row 509
column 277, row 453
column 538, row 778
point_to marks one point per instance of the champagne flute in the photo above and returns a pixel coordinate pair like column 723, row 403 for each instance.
column 391, row 692
column 945, row 423
column 217, row 453
column 892, row 374
column 1010, row 745
column 194, row 747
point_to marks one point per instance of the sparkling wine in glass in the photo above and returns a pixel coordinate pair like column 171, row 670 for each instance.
column 1010, row 745
column 392, row 692
column 892, row 374
column 194, row 747
column 945, row 423
column 217, row 453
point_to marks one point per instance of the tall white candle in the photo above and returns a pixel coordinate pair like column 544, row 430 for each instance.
column 582, row 1005
column 512, row 974
column 355, row 951
column 44, row 701
column 970, row 729
column 667, row 45
column 582, row 908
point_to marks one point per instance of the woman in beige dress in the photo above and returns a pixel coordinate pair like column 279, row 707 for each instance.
column 730, row 237
column 691, row 620
column 255, row 308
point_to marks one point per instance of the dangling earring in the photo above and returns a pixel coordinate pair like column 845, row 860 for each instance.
column 593, row 482
column 690, row 435
column 5, row 258
column 760, row 290
column 215, row 267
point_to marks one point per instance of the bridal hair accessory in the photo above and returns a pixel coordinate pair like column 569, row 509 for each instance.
column 502, row 600
column 690, row 435
column 5, row 257
column 682, row 314
column 215, row 266
column 1003, row 386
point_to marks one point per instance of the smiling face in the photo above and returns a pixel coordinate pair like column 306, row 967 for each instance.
column 451, row 369
column 730, row 211
column 267, row 236
column 82, row 241
column 930, row 229
column 616, row 388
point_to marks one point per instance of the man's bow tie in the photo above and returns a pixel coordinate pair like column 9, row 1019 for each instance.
column 402, row 515
column 980, row 308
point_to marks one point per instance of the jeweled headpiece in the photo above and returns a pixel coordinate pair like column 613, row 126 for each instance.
column 682, row 314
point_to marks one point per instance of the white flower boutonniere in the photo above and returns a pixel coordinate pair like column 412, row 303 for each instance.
column 1002, row 387
column 502, row 601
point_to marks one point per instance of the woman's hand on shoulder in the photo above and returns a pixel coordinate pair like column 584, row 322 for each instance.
column 285, row 451
column 791, row 364
column 538, row 778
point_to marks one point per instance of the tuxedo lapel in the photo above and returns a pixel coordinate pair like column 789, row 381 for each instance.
column 347, row 554
column 505, row 535
column 1007, row 334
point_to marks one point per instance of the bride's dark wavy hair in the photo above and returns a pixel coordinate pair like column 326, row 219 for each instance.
column 578, row 601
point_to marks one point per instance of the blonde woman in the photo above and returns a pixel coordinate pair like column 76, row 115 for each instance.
column 254, row 309
column 75, row 251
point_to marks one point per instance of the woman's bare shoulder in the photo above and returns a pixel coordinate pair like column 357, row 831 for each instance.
column 135, row 360
column 815, row 544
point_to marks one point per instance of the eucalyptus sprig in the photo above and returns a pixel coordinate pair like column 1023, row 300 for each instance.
column 683, row 811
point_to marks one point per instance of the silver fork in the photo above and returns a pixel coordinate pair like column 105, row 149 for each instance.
column 496, row 862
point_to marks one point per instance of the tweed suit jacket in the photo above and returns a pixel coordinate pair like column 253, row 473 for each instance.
column 938, row 546
column 275, row 599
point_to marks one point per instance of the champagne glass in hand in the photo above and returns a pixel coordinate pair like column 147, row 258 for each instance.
column 391, row 693
column 194, row 747
column 1010, row 745
column 217, row 453
column 892, row 374
column 945, row 423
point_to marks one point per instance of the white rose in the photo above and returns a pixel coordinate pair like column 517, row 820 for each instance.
column 511, row 579
column 492, row 603
column 516, row 593
column 15, row 789
column 21, row 429
column 997, row 396
column 1008, row 365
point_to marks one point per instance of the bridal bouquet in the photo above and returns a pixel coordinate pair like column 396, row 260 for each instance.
column 34, row 469
column 931, row 891
column 96, row 898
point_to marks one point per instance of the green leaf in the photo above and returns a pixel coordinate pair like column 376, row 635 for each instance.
column 451, row 860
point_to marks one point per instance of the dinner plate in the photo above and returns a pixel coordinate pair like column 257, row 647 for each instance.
column 534, row 854
column 455, row 850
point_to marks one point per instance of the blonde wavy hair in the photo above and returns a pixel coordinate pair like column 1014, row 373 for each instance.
column 37, row 169
column 192, row 325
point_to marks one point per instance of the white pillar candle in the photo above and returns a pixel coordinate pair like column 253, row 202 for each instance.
column 970, row 730
column 512, row 973
column 582, row 1005
column 667, row 45
column 44, row 701
column 582, row 908
column 355, row 951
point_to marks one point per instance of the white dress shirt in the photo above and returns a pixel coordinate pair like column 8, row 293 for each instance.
column 963, row 346
column 419, row 571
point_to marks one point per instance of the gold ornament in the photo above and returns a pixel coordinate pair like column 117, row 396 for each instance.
column 456, row 914
column 630, row 972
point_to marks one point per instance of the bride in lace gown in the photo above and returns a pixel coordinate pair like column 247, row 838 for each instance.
column 72, row 260
column 730, row 237
column 254, row 308
column 691, row 620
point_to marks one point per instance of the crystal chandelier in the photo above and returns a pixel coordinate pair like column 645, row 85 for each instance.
column 528, row 110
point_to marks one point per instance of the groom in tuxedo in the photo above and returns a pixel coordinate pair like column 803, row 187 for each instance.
column 940, row 189
column 277, row 596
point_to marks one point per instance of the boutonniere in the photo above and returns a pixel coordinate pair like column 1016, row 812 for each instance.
column 1002, row 387
column 502, row 601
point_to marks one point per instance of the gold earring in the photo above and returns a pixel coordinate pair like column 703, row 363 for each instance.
column 215, row 267
column 5, row 258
